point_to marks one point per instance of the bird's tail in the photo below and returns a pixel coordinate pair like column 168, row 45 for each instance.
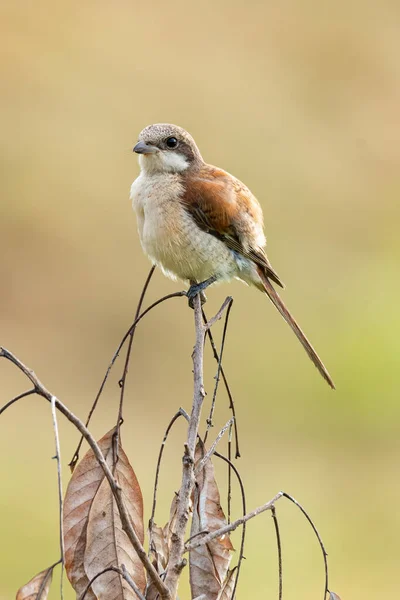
column 273, row 295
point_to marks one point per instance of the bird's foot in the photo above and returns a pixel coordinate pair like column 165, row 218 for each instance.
column 198, row 288
column 203, row 299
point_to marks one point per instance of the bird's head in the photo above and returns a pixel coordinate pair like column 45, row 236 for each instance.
column 165, row 148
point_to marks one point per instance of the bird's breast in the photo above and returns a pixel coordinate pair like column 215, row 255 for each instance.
column 169, row 235
column 156, row 203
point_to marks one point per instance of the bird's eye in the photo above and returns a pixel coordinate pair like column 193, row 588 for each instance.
column 172, row 142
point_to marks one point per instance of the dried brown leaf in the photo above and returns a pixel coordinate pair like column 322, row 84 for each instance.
column 160, row 548
column 37, row 588
column 208, row 563
column 170, row 526
column 108, row 545
column 159, row 556
column 93, row 535
column 333, row 596
column 228, row 585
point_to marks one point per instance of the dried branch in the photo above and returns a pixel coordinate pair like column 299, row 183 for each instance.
column 130, row 581
column 211, row 451
column 123, row 572
column 229, row 492
column 209, row 564
column 10, row 402
column 122, row 381
column 181, row 413
column 232, row 526
column 99, row 574
column 227, row 302
column 219, row 368
column 279, row 546
column 115, row 488
column 176, row 561
column 324, row 552
column 241, row 551
column 60, row 490
column 222, row 372
column 75, row 457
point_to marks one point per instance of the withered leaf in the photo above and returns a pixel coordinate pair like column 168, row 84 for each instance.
column 37, row 588
column 170, row 526
column 208, row 563
column 333, row 596
column 93, row 535
column 160, row 548
column 228, row 585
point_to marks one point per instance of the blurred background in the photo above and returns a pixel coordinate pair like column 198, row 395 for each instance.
column 301, row 101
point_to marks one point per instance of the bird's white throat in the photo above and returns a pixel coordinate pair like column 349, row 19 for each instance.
column 163, row 162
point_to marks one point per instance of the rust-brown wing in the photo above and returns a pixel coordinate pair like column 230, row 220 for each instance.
column 226, row 209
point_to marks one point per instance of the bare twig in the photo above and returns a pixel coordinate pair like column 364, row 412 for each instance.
column 324, row 552
column 107, row 570
column 228, row 391
column 208, row 537
column 176, row 561
column 181, row 413
column 10, row 402
column 211, row 451
column 123, row 572
column 227, row 302
column 60, row 490
column 45, row 580
column 279, row 546
column 229, row 499
column 241, row 551
column 75, row 457
column 115, row 488
column 218, row 375
column 130, row 581
column 122, row 381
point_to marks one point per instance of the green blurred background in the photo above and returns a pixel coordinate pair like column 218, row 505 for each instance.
column 301, row 101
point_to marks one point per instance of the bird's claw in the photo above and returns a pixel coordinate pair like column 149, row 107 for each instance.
column 196, row 288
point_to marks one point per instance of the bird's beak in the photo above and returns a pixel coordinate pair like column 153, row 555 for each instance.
column 143, row 148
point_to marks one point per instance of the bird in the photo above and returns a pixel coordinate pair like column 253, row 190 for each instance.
column 200, row 224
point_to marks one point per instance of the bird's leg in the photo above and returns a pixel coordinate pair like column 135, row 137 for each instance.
column 198, row 288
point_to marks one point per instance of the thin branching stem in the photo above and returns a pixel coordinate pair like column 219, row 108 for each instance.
column 211, row 451
column 121, row 571
column 99, row 574
column 122, row 381
column 219, row 367
column 233, row 468
column 75, row 457
column 130, row 582
column 60, row 490
column 324, row 552
column 279, row 547
column 10, row 402
column 45, row 580
column 115, row 488
column 176, row 561
column 229, row 499
column 226, row 304
column 208, row 537
column 180, row 413
column 224, row 378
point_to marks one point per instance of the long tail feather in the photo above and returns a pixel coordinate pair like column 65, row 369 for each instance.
column 278, row 303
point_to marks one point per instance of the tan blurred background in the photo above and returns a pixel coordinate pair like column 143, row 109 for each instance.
column 301, row 101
